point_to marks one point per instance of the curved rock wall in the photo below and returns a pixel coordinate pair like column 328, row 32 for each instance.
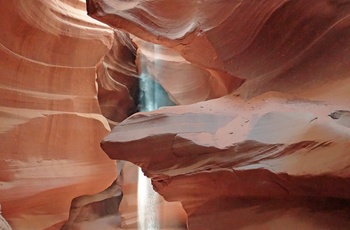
column 51, row 123
column 184, row 82
column 252, row 159
column 117, row 78
column 275, row 158
column 274, row 153
column 272, row 45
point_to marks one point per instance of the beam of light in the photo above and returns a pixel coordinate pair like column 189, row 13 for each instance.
column 152, row 96
column 147, row 201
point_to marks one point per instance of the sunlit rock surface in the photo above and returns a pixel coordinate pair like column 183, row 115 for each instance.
column 268, row 44
column 233, row 162
column 184, row 82
column 51, row 123
column 272, row 154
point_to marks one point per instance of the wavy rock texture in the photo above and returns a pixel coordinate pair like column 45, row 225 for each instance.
column 51, row 122
column 251, row 160
column 91, row 211
column 272, row 153
column 236, row 163
column 184, row 82
column 117, row 80
column 268, row 44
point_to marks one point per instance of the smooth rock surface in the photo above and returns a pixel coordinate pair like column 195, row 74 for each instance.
column 224, row 158
column 117, row 78
column 88, row 209
column 51, row 122
column 184, row 82
column 272, row 154
column 268, row 44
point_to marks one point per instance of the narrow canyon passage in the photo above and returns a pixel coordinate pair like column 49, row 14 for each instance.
column 141, row 207
column 152, row 96
column 259, row 137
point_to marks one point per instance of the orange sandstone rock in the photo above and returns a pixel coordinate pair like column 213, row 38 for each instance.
column 223, row 158
column 51, row 122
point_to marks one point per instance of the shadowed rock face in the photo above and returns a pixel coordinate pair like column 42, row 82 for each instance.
column 88, row 209
column 268, row 44
column 273, row 153
column 276, row 148
column 117, row 80
column 51, row 122
column 218, row 155
column 185, row 83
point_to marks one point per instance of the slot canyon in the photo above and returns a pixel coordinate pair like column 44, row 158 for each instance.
column 175, row 114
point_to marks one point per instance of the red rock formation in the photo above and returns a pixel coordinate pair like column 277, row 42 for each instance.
column 269, row 44
column 88, row 209
column 225, row 156
column 256, row 158
column 51, row 123
column 184, row 82
column 117, row 80
column 3, row 223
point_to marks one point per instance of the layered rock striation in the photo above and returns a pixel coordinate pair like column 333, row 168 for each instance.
column 51, row 122
column 270, row 152
column 274, row 151
column 117, row 78
column 184, row 82
column 226, row 155
column 267, row 44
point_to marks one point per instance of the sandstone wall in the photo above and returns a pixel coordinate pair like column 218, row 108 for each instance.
column 51, row 122
column 273, row 154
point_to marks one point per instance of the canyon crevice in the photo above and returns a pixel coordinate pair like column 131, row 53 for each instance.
column 258, row 137
column 51, row 122
column 270, row 151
